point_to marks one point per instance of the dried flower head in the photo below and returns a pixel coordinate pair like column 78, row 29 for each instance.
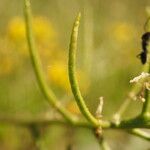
column 142, row 77
column 144, row 80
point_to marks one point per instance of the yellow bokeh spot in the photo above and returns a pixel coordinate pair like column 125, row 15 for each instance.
column 16, row 29
column 42, row 28
column 73, row 108
column 58, row 74
column 123, row 32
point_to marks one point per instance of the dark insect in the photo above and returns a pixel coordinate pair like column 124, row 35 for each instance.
column 145, row 40
column 143, row 57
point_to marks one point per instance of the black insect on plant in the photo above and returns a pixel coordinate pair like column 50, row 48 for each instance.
column 145, row 41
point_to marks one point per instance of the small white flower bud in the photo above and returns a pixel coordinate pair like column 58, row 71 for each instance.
column 142, row 99
column 142, row 76
column 100, row 108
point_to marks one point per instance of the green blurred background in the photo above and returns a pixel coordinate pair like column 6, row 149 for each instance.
column 109, row 40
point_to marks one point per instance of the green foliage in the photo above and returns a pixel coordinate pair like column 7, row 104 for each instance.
column 87, row 120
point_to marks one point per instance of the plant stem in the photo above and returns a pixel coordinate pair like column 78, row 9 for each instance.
column 36, row 135
column 47, row 92
column 72, row 74
column 140, row 134
column 132, row 94
column 138, row 122
column 42, row 121
column 103, row 144
column 146, row 105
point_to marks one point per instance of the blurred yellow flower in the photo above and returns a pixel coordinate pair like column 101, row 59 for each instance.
column 42, row 28
column 16, row 29
column 122, row 32
column 44, row 32
column 58, row 74
column 73, row 108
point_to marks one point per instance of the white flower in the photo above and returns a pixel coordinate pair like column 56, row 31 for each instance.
column 142, row 76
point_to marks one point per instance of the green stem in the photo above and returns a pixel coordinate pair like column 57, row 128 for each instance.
column 121, row 110
column 138, row 122
column 41, row 120
column 146, row 105
column 72, row 74
column 132, row 94
column 49, row 95
column 103, row 144
column 140, row 133
column 36, row 135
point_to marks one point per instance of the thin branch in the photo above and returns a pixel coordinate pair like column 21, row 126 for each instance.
column 48, row 93
column 27, row 121
column 103, row 144
column 72, row 74
column 40, row 120
column 121, row 110
column 131, row 96
column 146, row 105
column 140, row 133
column 138, row 122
